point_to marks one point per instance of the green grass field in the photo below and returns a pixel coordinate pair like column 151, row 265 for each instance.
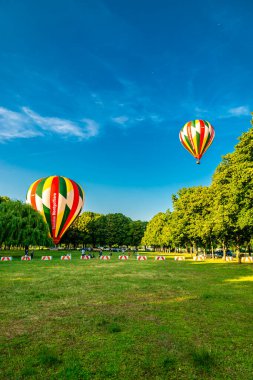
column 126, row 320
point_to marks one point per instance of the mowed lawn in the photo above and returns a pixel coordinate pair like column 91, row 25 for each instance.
column 126, row 319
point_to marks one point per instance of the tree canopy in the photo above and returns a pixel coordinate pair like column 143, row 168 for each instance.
column 21, row 225
column 203, row 217
column 221, row 214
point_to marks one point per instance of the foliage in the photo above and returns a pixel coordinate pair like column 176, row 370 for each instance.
column 157, row 233
column 221, row 214
column 83, row 230
column 20, row 225
column 191, row 210
column 232, row 185
column 218, row 215
column 4, row 199
column 113, row 229
column 137, row 230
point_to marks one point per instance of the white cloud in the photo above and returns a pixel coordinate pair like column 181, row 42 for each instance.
column 91, row 128
column 200, row 110
column 13, row 125
column 28, row 124
column 120, row 119
column 239, row 111
column 140, row 118
column 156, row 118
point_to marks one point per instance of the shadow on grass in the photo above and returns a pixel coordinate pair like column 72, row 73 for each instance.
column 74, row 370
column 203, row 359
column 112, row 326
column 45, row 358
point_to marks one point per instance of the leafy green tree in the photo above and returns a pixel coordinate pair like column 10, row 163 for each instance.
column 21, row 225
column 233, row 201
column 166, row 233
column 113, row 229
column 157, row 233
column 136, row 233
column 83, row 230
column 4, row 198
column 72, row 237
column 191, row 208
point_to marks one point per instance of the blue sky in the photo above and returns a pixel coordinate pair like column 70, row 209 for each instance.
column 97, row 91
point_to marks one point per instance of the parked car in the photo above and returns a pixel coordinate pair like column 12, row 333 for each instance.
column 219, row 253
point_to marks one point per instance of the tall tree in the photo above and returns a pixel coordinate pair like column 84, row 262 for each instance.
column 191, row 207
column 83, row 230
column 157, row 233
column 113, row 229
column 21, row 225
column 136, row 233
column 232, row 185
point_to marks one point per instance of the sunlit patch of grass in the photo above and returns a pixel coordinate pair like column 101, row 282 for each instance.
column 241, row 279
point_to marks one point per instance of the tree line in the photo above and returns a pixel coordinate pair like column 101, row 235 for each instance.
column 21, row 225
column 92, row 229
column 203, row 217
column 210, row 216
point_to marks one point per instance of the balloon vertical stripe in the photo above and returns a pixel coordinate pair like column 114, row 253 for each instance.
column 54, row 195
column 74, row 210
column 61, row 202
column 189, row 134
column 64, row 219
column 46, row 215
column 33, row 193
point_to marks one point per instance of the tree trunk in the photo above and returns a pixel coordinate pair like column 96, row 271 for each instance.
column 249, row 249
column 212, row 250
column 238, row 254
column 224, row 248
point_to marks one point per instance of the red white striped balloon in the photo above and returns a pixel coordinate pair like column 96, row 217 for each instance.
column 196, row 136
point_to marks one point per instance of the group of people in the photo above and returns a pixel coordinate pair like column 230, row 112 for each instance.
column 27, row 252
column 83, row 253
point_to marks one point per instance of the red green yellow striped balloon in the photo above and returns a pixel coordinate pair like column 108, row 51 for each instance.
column 196, row 136
column 59, row 200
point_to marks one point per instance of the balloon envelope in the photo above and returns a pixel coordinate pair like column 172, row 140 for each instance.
column 59, row 200
column 196, row 136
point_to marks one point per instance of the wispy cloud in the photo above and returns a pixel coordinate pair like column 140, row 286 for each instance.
column 120, row 120
column 239, row 111
column 91, row 128
column 16, row 125
column 199, row 111
column 29, row 124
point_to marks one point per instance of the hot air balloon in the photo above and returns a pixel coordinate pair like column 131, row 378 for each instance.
column 196, row 136
column 59, row 200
